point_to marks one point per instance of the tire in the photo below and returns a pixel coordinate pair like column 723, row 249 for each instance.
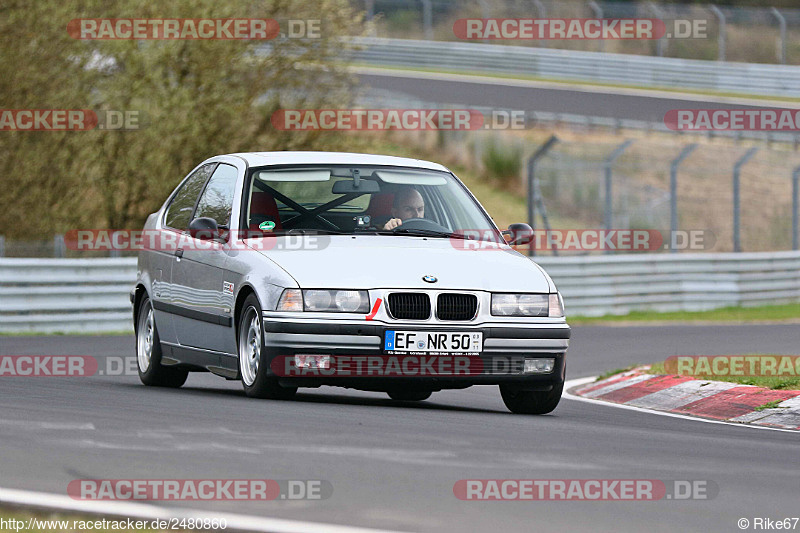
column 531, row 402
column 148, row 352
column 409, row 395
column 253, row 370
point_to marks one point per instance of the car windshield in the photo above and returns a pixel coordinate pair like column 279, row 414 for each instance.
column 354, row 200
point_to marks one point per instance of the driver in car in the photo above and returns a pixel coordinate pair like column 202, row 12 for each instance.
column 408, row 203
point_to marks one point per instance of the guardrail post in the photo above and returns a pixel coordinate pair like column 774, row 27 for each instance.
column 723, row 31
column 533, row 186
column 608, row 216
column 2, row 246
column 59, row 247
column 542, row 13
column 427, row 19
column 673, row 193
column 737, row 168
column 782, row 25
column 795, row 207
column 598, row 14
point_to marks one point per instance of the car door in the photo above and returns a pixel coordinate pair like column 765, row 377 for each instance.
column 204, row 315
column 160, row 259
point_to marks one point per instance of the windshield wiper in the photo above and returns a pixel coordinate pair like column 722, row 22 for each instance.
column 426, row 233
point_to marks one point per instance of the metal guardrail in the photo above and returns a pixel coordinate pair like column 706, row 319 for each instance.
column 599, row 285
column 91, row 295
column 644, row 71
column 66, row 295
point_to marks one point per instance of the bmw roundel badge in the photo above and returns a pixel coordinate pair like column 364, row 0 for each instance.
column 429, row 279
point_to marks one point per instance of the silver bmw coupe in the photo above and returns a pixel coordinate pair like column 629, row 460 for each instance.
column 302, row 269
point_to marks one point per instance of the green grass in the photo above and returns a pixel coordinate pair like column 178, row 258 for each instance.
column 767, row 313
column 768, row 382
column 768, row 405
column 610, row 373
column 525, row 77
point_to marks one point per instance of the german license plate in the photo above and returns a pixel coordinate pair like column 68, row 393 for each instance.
column 434, row 342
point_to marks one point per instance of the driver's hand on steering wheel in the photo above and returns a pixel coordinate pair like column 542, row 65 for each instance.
column 392, row 224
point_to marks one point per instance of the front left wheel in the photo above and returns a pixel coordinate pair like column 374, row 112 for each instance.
column 148, row 352
column 253, row 368
column 531, row 402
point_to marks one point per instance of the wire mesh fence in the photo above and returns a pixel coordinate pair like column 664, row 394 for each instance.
column 729, row 33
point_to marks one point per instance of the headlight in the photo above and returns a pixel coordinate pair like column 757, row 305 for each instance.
column 324, row 301
column 520, row 305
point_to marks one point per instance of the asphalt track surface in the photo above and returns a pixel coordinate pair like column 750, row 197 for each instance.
column 393, row 465
column 505, row 95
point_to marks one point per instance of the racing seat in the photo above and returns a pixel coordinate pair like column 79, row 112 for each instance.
column 263, row 208
column 380, row 208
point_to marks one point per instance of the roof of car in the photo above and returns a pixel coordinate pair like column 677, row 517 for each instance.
column 258, row 159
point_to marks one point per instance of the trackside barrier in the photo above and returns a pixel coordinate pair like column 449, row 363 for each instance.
column 91, row 295
column 546, row 63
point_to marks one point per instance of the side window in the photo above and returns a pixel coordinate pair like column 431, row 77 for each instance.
column 217, row 200
column 179, row 212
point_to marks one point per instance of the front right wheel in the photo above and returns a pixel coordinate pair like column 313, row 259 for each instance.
column 530, row 402
column 253, row 368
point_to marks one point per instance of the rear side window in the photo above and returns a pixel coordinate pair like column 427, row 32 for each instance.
column 217, row 200
column 179, row 212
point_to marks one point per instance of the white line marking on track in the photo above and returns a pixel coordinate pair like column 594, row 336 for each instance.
column 144, row 511
column 572, row 383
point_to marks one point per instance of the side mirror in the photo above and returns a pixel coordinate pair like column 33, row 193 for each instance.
column 518, row 234
column 204, row 229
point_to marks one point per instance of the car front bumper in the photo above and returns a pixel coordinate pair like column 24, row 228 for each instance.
column 505, row 346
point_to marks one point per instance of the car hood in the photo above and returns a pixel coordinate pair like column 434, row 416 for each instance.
column 373, row 261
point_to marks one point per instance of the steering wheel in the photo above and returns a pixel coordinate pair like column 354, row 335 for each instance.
column 421, row 224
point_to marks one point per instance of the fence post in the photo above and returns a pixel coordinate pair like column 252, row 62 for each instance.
column 598, row 14
column 782, row 25
column 59, row 247
column 723, row 31
column 541, row 12
column 795, row 221
column 370, row 5
column 673, row 193
column 484, row 13
column 427, row 19
column 608, row 216
column 532, row 189
column 660, row 44
column 737, row 168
